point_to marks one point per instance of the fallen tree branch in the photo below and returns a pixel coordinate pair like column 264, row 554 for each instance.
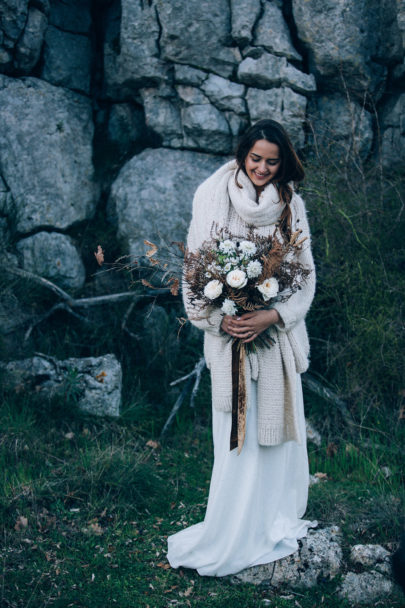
column 319, row 389
column 196, row 372
column 69, row 303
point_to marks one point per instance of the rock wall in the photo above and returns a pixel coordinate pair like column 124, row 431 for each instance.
column 136, row 101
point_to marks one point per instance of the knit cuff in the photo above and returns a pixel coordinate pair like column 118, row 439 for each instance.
column 287, row 316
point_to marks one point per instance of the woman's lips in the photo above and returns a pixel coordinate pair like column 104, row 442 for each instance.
column 261, row 176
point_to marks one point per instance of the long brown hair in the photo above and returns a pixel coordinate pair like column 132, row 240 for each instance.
column 290, row 170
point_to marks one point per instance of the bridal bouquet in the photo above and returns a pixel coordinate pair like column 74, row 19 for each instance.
column 240, row 275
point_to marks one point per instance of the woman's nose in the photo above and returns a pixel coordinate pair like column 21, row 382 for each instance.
column 262, row 166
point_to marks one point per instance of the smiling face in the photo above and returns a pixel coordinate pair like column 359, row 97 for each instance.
column 262, row 163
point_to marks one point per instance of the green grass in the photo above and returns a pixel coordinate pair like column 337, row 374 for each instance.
column 99, row 505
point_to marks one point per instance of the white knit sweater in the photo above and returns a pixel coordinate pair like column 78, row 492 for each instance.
column 274, row 368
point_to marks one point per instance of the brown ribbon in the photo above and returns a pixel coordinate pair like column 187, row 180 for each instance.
column 238, row 428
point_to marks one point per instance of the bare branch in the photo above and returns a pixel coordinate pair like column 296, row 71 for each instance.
column 196, row 372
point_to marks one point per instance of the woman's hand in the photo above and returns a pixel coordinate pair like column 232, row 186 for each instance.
column 249, row 325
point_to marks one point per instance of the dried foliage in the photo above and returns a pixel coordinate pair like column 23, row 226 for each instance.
column 277, row 259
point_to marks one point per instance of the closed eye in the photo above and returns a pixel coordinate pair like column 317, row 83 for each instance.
column 271, row 161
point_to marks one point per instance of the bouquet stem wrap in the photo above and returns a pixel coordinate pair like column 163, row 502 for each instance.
column 239, row 396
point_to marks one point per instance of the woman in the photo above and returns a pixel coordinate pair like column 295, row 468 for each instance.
column 256, row 498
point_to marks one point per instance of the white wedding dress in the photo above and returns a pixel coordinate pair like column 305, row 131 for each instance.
column 255, row 501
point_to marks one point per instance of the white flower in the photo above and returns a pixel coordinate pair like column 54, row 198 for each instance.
column 269, row 288
column 213, row 289
column 227, row 267
column 227, row 246
column 247, row 248
column 229, row 307
column 236, row 278
column 253, row 269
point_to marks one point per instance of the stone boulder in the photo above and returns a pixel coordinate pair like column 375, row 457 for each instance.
column 67, row 60
column 13, row 17
column 187, row 34
column 205, row 128
column 341, row 128
column 125, row 126
column 225, row 95
column 29, row 45
column 131, row 49
column 184, row 74
column 73, row 16
column 365, row 588
column 244, row 14
column 46, row 153
column 162, row 115
column 349, row 43
column 53, row 256
column 94, row 383
column 318, row 558
column 273, row 34
column 393, row 138
column 371, row 556
column 270, row 71
column 283, row 105
column 152, row 195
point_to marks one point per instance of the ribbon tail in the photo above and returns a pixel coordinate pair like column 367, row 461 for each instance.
column 238, row 429
column 241, row 399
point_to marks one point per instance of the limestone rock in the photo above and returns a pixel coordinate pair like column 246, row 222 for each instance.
column 205, row 128
column 95, row 382
column 67, row 60
column 283, row 105
column 162, row 115
column 393, row 139
column 53, row 256
column 46, row 153
column 29, row 46
column 5, row 199
column 184, row 74
column 225, row 95
column 13, row 17
column 341, row 127
column 371, row 556
column 319, row 557
column 273, row 34
column 191, row 95
column 131, row 49
column 270, row 71
column 73, row 16
column 349, row 41
column 365, row 588
column 153, row 192
column 244, row 16
column 187, row 34
column 125, row 126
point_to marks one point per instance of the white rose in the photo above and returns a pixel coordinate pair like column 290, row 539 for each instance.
column 229, row 307
column 227, row 246
column 253, row 269
column 236, row 278
column 227, row 267
column 213, row 289
column 247, row 248
column 269, row 288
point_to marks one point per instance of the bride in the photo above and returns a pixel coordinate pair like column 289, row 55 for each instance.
column 258, row 497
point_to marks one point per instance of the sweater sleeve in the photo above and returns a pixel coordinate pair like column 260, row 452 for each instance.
column 296, row 307
column 209, row 318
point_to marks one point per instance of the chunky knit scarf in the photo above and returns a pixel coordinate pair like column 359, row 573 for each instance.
column 274, row 368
